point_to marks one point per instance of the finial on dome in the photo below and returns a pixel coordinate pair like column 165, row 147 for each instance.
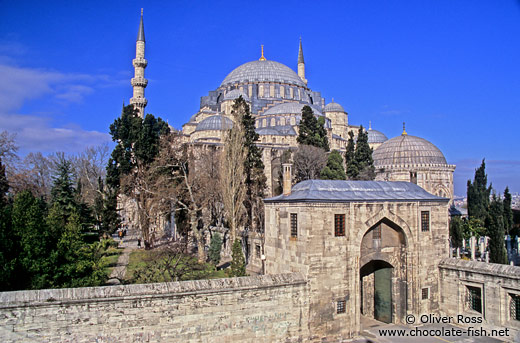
column 141, row 11
column 332, row 99
column 370, row 125
column 404, row 129
column 262, row 58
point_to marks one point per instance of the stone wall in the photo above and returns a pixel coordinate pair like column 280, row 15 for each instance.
column 497, row 283
column 269, row 308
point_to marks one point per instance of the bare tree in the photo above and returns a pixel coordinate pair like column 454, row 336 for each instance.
column 90, row 167
column 8, row 147
column 308, row 162
column 232, row 179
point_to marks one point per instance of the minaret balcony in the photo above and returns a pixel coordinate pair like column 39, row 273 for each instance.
column 139, row 62
column 140, row 102
column 139, row 82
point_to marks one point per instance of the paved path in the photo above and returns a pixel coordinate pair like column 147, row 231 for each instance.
column 119, row 271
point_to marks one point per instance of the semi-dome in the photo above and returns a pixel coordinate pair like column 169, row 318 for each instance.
column 263, row 71
column 291, row 108
column 406, row 150
column 375, row 136
column 333, row 107
column 216, row 122
column 234, row 94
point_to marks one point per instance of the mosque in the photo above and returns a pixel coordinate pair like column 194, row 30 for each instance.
column 276, row 95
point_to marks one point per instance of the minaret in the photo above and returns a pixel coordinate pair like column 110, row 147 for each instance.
column 301, row 64
column 138, row 81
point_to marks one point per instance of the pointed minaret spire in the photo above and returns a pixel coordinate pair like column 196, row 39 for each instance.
column 140, row 34
column 301, row 63
column 138, row 81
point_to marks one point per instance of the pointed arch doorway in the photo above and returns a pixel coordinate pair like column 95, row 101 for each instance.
column 383, row 272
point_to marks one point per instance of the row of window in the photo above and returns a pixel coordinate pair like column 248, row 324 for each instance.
column 475, row 302
column 339, row 225
column 272, row 122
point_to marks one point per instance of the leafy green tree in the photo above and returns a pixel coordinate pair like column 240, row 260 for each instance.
column 363, row 157
column 137, row 143
column 215, row 247
column 77, row 263
column 253, row 167
column 107, row 219
column 456, row 231
column 496, row 232
column 478, row 194
column 352, row 167
column 312, row 130
column 238, row 263
column 508, row 212
column 8, row 244
column 334, row 169
column 474, row 227
column 63, row 193
column 35, row 242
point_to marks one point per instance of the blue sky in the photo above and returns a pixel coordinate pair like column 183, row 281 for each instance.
column 449, row 69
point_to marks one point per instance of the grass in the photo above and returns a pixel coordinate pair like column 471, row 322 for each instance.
column 109, row 259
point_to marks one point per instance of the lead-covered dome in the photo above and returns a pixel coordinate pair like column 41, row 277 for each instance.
column 375, row 136
column 263, row 71
column 217, row 122
column 333, row 107
column 406, row 150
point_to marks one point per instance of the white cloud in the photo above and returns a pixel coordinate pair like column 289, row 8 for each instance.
column 35, row 131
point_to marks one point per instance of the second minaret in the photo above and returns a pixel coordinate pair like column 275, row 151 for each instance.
column 138, row 81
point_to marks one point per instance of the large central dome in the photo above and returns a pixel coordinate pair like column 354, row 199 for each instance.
column 263, row 71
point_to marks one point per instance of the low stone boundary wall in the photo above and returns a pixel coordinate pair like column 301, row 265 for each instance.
column 267, row 308
column 497, row 285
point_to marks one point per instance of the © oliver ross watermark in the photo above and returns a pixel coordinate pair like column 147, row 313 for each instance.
column 471, row 327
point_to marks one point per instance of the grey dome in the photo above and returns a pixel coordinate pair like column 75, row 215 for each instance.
column 217, row 122
column 375, row 136
column 234, row 94
column 406, row 150
column 333, row 107
column 291, row 108
column 263, row 71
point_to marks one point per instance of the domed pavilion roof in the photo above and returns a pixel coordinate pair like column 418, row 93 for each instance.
column 333, row 107
column 216, row 122
column 375, row 136
column 406, row 150
column 263, row 71
column 291, row 108
column 234, row 94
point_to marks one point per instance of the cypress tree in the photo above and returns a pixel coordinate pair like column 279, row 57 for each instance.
column 238, row 263
column 352, row 167
column 508, row 212
column 334, row 169
column 496, row 232
column 312, row 130
column 478, row 194
column 456, row 231
column 215, row 246
column 363, row 157
column 253, row 165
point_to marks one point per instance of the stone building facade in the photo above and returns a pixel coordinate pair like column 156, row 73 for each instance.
column 366, row 247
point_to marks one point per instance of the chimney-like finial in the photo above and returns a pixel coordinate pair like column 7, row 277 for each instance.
column 404, row 129
column 370, row 124
column 287, row 178
column 262, row 58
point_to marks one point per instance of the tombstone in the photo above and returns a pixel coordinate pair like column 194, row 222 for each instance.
column 472, row 247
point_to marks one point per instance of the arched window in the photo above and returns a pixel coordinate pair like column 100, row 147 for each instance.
column 264, row 122
column 282, row 121
column 273, row 122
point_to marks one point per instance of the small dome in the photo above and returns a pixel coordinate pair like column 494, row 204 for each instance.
column 291, row 108
column 263, row 71
column 406, row 150
column 217, row 122
column 375, row 136
column 234, row 94
column 333, row 107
